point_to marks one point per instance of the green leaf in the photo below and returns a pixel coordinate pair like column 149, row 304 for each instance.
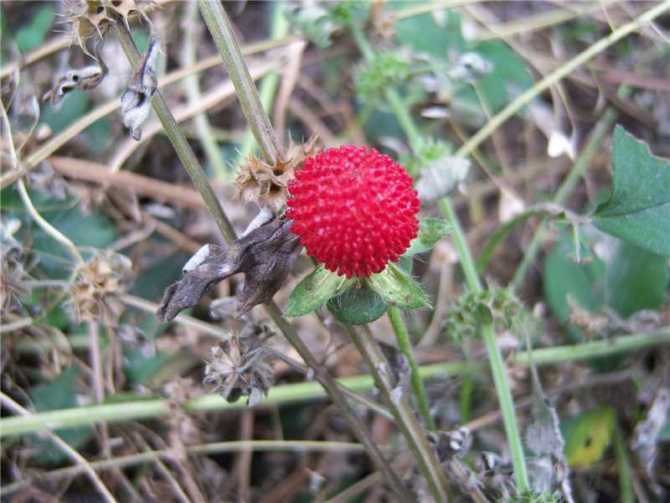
column 636, row 280
column 423, row 33
column 357, row 306
column 587, row 436
column 431, row 230
column 31, row 36
column 314, row 291
column 638, row 210
column 398, row 288
column 564, row 277
column 58, row 394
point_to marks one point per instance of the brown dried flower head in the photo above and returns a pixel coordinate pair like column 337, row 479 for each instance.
column 240, row 367
column 267, row 184
column 12, row 269
column 91, row 17
column 98, row 286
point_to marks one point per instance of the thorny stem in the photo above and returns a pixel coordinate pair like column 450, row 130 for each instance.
column 298, row 392
column 405, row 346
column 193, row 167
column 403, row 413
column 181, row 145
column 221, row 29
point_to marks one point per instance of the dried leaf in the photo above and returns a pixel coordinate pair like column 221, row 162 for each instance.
column 136, row 100
column 645, row 438
column 84, row 78
column 265, row 255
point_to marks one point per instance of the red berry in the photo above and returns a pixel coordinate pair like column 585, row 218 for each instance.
column 354, row 209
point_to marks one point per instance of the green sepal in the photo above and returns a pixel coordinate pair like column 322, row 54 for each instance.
column 358, row 305
column 431, row 230
column 315, row 290
column 398, row 288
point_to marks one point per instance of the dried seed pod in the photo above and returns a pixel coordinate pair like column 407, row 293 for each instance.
column 98, row 285
column 136, row 100
column 267, row 184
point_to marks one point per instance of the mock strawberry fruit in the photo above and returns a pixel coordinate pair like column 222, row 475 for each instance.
column 354, row 209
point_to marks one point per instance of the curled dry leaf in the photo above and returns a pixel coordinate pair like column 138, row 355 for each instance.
column 84, row 78
column 267, row 184
column 265, row 255
column 136, row 100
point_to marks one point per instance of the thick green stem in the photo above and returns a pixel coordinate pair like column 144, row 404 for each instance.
column 405, row 346
column 181, row 145
column 221, row 29
column 402, row 412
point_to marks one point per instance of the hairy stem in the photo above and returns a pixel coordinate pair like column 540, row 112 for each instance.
column 403, row 413
column 405, row 346
column 495, row 358
column 221, row 29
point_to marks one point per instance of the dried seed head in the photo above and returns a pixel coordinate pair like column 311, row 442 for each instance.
column 98, row 285
column 12, row 270
column 240, row 367
column 267, row 184
column 354, row 210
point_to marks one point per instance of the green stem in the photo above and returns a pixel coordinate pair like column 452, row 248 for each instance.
column 180, row 144
column 405, row 346
column 291, row 393
column 221, row 29
column 402, row 412
column 624, row 469
column 268, row 87
column 495, row 358
column 472, row 279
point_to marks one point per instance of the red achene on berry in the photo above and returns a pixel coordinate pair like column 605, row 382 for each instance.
column 354, row 209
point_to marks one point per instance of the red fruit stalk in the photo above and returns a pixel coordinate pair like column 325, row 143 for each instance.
column 354, row 209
